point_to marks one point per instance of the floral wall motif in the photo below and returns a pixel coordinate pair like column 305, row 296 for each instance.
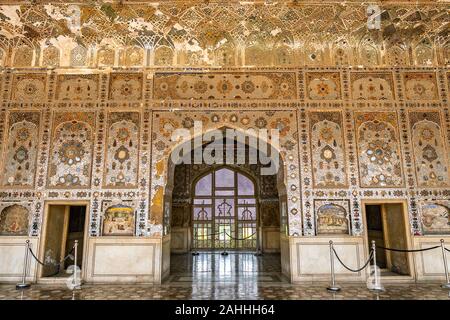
column 436, row 217
column 125, row 86
column 327, row 150
column 119, row 220
column 70, row 160
column 323, row 85
column 51, row 56
column 372, row 86
column 14, row 221
column 29, row 87
column 429, row 149
column 121, row 163
column 225, row 86
column 420, row 86
column 77, row 87
column 19, row 166
column 378, row 149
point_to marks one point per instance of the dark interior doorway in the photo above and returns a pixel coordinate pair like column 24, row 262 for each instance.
column 65, row 224
column 386, row 226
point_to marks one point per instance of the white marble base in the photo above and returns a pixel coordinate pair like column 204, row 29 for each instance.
column 12, row 253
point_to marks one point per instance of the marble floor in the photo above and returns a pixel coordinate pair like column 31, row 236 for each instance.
column 236, row 276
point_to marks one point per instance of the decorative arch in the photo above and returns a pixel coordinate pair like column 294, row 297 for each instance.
column 106, row 56
column 424, row 53
column 51, row 56
column 71, row 155
column 79, row 56
column 23, row 56
column 131, row 57
column 164, row 56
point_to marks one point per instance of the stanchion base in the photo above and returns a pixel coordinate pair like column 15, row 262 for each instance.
column 224, row 253
column 334, row 289
column 258, row 254
column 21, row 286
column 195, row 253
column 377, row 289
column 445, row 286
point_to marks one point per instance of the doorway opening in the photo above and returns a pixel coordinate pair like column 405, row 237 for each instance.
column 64, row 225
column 225, row 219
column 387, row 226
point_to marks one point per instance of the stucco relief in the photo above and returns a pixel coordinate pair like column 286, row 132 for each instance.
column 121, row 163
column 372, row 86
column 420, row 86
column 125, row 86
column 429, row 149
column 378, row 149
column 225, row 86
column 19, row 166
column 77, row 87
column 327, row 150
column 71, row 152
column 29, row 87
column 323, row 85
column 164, row 123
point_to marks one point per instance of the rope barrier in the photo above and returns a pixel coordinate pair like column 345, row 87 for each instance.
column 51, row 263
column 350, row 269
column 232, row 238
column 411, row 250
column 447, row 249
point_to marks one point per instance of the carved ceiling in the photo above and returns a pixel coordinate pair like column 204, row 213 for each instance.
column 211, row 25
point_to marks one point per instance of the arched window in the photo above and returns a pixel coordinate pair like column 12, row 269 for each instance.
column 224, row 211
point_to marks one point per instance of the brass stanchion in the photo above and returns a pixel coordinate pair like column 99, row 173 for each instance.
column 377, row 285
column 75, row 267
column 333, row 287
column 446, row 285
column 24, row 284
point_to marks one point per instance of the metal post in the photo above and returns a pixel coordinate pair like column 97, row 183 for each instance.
column 24, row 284
column 258, row 242
column 333, row 287
column 377, row 286
column 75, row 273
column 195, row 244
column 446, row 285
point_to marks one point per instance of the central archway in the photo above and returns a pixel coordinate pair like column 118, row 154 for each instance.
column 211, row 208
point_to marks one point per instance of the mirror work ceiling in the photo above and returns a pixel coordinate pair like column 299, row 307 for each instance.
column 208, row 25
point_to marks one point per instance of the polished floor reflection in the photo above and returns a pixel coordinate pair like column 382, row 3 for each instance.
column 236, row 267
column 211, row 276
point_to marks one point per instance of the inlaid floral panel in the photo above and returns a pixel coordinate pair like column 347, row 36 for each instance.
column 252, row 85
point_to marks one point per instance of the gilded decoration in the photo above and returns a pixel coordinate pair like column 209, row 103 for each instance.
column 71, row 152
column 420, row 86
column 29, row 87
column 323, row 85
column 327, row 149
column 225, row 86
column 378, row 149
column 372, row 86
column 125, row 86
column 121, row 163
column 77, row 87
column 19, row 166
column 429, row 149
